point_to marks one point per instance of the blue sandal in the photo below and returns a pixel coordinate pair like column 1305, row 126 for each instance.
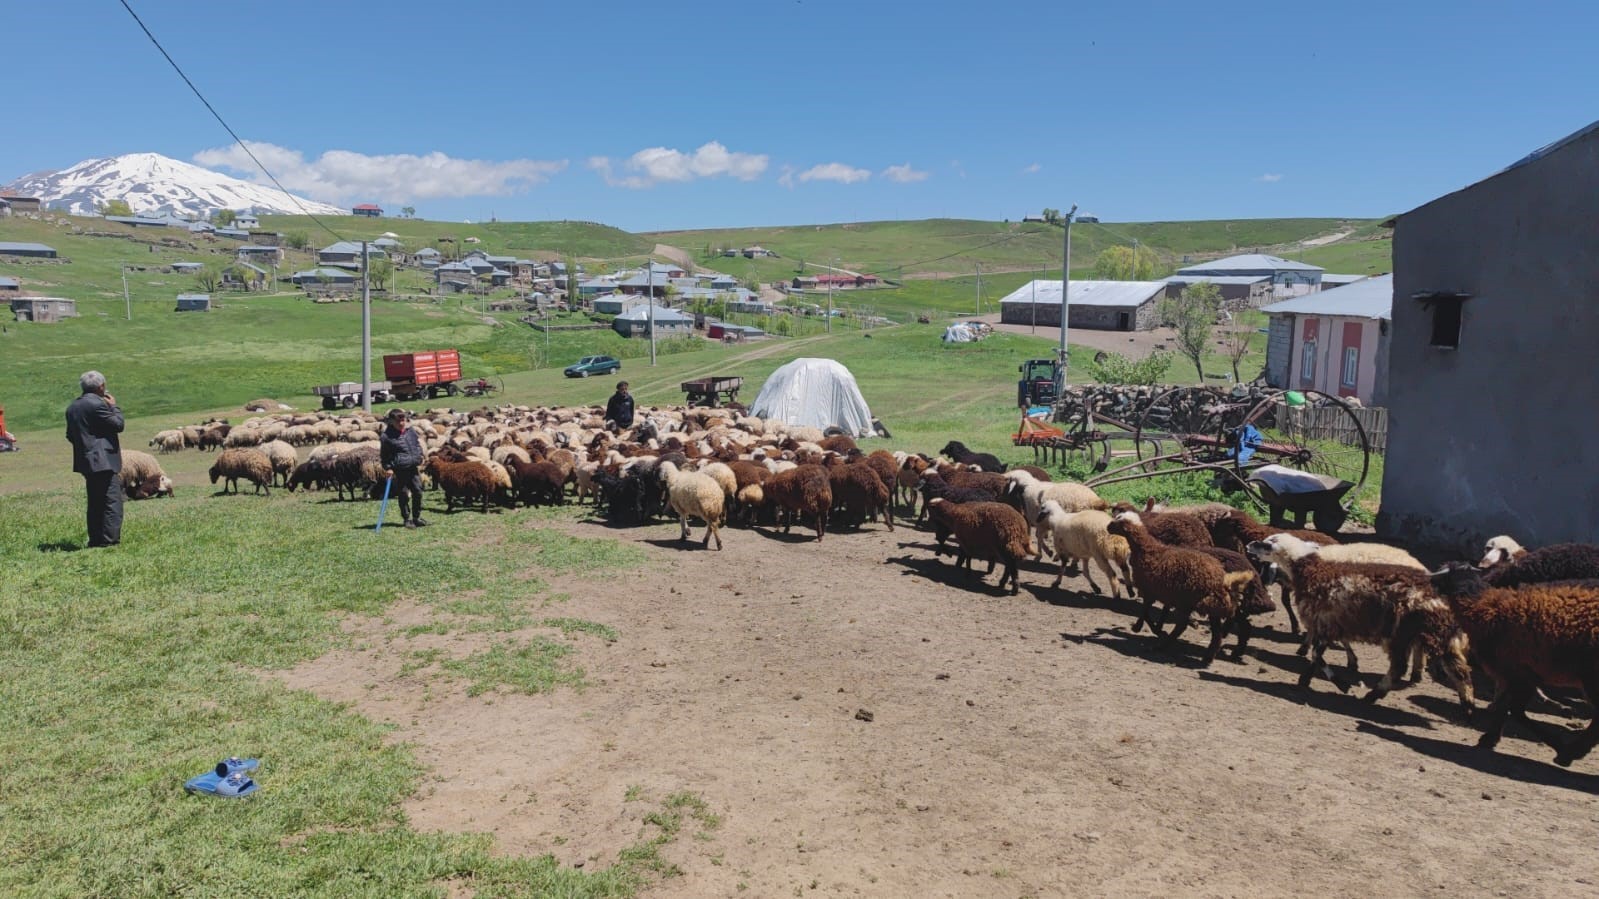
column 230, row 778
column 233, row 764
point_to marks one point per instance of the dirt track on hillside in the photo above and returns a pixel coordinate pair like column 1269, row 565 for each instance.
column 1019, row 745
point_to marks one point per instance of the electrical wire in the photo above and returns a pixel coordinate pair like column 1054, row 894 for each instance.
column 226, row 127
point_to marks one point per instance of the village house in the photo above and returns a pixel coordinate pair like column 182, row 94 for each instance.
column 5, row 207
column 1491, row 425
column 260, row 238
column 21, row 205
column 34, row 250
column 193, row 302
column 370, row 210
column 324, row 276
column 427, row 257
column 615, row 303
column 1334, row 341
column 643, row 283
column 1097, row 305
column 757, row 252
column 1287, row 278
column 10, row 285
column 386, row 244
column 186, row 268
column 244, row 276
column 346, row 254
column 43, row 310
column 247, row 221
column 635, row 322
column 1250, row 290
column 261, row 255
column 233, row 233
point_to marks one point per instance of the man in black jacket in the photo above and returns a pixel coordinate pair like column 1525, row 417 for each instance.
column 620, row 408
column 400, row 451
column 93, row 423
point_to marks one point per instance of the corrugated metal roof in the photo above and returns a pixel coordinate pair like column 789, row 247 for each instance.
column 662, row 314
column 1249, row 263
column 1218, row 280
column 1088, row 293
column 10, row 282
column 1369, row 298
column 1338, row 280
column 7, row 246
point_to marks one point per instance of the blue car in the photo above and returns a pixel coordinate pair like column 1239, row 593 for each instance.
column 593, row 365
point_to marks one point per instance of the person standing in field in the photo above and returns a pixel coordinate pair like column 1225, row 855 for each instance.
column 93, row 423
column 620, row 409
column 400, row 451
column 8, row 441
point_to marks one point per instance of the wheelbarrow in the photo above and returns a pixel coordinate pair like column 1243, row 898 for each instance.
column 1324, row 504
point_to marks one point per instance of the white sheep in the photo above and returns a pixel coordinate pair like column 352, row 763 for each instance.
column 169, row 441
column 283, row 457
column 691, row 493
column 1084, row 537
column 1071, row 496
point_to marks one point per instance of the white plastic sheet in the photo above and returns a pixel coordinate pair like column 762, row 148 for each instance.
column 819, row 393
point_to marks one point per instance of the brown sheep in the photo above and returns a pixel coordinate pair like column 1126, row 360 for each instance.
column 803, row 491
column 1507, row 564
column 239, row 462
column 859, row 493
column 1170, row 528
column 1533, row 635
column 992, row 532
column 1187, row 581
column 1237, row 529
column 464, row 481
column 1372, row 603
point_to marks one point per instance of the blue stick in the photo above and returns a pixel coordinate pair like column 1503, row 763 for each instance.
column 387, row 483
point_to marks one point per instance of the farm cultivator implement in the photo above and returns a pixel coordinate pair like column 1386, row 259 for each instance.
column 1292, row 452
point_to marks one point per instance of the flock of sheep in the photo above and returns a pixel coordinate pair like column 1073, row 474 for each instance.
column 1529, row 619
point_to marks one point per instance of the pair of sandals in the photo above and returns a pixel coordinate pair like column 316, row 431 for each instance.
column 231, row 779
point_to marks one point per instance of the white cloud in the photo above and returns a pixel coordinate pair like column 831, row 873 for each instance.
column 343, row 175
column 834, row 171
column 1270, row 178
column 787, row 178
column 656, row 164
column 904, row 174
column 1033, row 169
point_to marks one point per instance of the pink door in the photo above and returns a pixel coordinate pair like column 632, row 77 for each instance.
column 1349, row 360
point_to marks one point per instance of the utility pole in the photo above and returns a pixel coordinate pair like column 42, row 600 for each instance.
column 366, row 332
column 125, row 301
column 1065, row 299
column 650, row 280
column 979, row 305
column 830, row 295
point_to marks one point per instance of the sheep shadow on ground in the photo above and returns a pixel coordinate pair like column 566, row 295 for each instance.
column 1146, row 647
column 1496, row 763
column 795, row 536
column 1066, row 598
column 945, row 573
column 1325, row 697
column 693, row 542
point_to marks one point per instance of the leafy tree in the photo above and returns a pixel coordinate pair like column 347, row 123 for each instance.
column 1193, row 315
column 208, row 278
column 225, row 217
column 782, row 326
column 297, row 240
column 116, row 207
column 1052, row 216
column 1128, row 264
column 1115, row 368
column 408, row 211
column 380, row 272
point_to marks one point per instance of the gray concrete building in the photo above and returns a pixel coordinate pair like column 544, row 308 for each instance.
column 1491, row 393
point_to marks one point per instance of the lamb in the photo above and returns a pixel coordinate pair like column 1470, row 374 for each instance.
column 1083, row 537
column 1237, row 529
column 169, row 441
column 1373, row 603
column 749, row 479
column 908, row 477
column 1186, row 581
column 693, row 493
column 243, row 462
column 161, row 486
column 283, row 457
column 1170, row 528
column 465, row 481
column 803, row 491
column 1509, row 565
column 993, row 532
column 312, row 473
column 984, row 461
column 1027, row 494
column 1527, row 636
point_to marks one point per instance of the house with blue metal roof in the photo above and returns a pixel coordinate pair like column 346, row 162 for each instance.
column 1334, row 341
column 1288, row 278
column 636, row 322
column 20, row 248
column 1100, row 305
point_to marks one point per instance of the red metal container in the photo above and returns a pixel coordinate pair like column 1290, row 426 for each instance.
column 432, row 367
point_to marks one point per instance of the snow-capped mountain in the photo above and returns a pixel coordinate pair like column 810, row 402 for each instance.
column 152, row 183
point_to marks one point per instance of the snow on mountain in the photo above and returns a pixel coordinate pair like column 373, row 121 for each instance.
column 152, row 183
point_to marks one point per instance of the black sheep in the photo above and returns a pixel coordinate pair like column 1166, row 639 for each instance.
column 1513, row 566
column 986, row 461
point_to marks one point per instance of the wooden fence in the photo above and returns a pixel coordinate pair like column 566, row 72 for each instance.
column 1331, row 423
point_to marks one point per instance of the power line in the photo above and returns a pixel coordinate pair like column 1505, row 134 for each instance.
column 223, row 123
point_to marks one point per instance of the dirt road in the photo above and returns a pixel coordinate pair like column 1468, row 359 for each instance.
column 1017, row 745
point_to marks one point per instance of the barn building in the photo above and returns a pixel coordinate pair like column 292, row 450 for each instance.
column 1494, row 316
column 1097, row 305
column 43, row 309
column 35, row 250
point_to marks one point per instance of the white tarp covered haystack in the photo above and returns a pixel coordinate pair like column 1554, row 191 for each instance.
column 958, row 333
column 817, row 392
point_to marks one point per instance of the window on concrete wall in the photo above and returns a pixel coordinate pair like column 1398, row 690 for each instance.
column 1307, row 362
column 1351, row 366
column 1446, row 311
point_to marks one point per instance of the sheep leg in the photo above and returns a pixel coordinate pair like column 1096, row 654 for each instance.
column 1218, row 630
column 1088, row 573
column 1143, row 616
column 1318, row 648
column 1245, row 629
column 1011, row 573
column 1582, row 743
column 1293, row 620
column 1398, row 656
column 1418, row 656
column 1110, row 575
column 713, row 528
column 1168, row 640
column 682, row 520
column 1512, row 696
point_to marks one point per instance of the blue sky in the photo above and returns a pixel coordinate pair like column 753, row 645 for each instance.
column 692, row 115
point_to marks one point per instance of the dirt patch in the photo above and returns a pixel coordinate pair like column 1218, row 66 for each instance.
column 1132, row 344
column 1018, row 745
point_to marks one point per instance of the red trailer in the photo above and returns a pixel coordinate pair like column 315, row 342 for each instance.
column 428, row 374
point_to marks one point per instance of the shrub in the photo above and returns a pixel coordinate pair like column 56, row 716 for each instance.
column 1115, row 368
